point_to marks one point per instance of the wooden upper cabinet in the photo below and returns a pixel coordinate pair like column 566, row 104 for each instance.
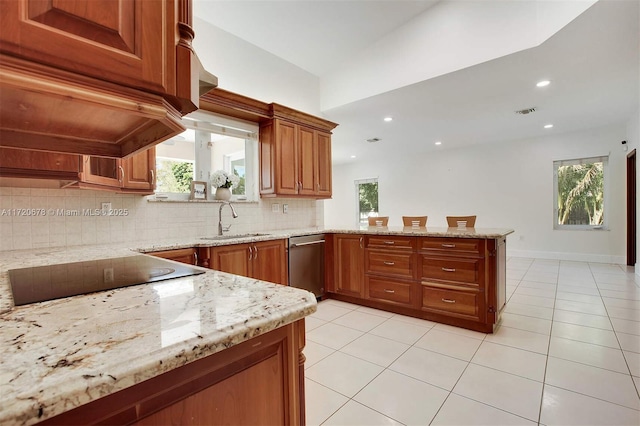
column 135, row 174
column 307, row 161
column 295, row 154
column 106, row 78
column 128, row 42
column 324, row 182
column 140, row 171
column 38, row 165
column 287, row 154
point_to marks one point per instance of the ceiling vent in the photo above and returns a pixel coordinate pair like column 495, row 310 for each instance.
column 372, row 140
column 526, row 111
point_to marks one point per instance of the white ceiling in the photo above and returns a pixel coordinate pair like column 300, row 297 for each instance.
column 593, row 63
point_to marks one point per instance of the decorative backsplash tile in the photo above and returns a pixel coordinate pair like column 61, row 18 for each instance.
column 36, row 217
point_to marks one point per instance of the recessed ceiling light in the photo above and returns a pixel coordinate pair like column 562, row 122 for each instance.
column 438, row 143
column 543, row 83
column 353, row 156
column 388, row 119
column 548, row 126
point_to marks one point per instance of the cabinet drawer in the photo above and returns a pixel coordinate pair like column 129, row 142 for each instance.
column 469, row 246
column 455, row 270
column 458, row 302
column 389, row 290
column 389, row 263
column 391, row 242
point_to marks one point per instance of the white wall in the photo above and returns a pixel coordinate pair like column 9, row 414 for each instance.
column 508, row 185
column 246, row 69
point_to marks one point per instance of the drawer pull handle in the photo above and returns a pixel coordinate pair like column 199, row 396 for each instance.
column 389, row 263
column 449, row 300
column 449, row 269
column 449, row 245
column 390, row 242
column 389, row 291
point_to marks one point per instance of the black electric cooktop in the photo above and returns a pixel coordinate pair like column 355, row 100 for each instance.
column 40, row 283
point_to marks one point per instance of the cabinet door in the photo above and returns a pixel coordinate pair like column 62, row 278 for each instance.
column 233, row 259
column 102, row 171
column 324, row 188
column 307, row 161
column 129, row 42
column 287, row 158
column 269, row 262
column 349, row 269
column 140, row 170
column 38, row 164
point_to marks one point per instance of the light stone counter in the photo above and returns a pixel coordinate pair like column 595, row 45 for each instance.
column 60, row 354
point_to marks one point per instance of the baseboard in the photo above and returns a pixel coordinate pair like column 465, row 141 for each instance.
column 578, row 257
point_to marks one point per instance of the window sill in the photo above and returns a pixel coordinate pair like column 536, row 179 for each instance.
column 153, row 199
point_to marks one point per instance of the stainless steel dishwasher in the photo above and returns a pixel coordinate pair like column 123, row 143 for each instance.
column 306, row 263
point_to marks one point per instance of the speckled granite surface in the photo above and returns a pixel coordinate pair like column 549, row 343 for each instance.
column 60, row 354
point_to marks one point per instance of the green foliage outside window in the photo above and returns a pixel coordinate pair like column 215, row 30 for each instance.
column 174, row 176
column 581, row 194
column 368, row 200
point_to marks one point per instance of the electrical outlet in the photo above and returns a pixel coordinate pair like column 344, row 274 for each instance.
column 106, row 208
column 108, row 275
column 285, row 208
column 275, row 208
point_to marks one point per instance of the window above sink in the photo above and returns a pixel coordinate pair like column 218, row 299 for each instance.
column 211, row 142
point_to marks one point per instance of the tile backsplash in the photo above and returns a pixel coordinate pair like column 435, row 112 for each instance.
column 36, row 218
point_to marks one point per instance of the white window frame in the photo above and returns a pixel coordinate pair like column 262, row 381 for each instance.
column 605, row 187
column 358, row 182
column 215, row 123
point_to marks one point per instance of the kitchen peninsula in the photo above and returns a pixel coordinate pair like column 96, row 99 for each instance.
column 122, row 355
column 100, row 351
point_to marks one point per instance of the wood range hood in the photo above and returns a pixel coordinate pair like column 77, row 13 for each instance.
column 100, row 78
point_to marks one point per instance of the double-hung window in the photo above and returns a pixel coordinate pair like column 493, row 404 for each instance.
column 580, row 193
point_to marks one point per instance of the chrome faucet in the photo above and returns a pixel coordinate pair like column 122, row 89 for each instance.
column 233, row 212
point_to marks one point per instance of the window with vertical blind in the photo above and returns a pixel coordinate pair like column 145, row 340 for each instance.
column 366, row 200
column 580, row 193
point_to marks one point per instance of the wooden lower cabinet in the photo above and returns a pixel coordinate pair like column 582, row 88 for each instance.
column 258, row 382
column 264, row 260
column 457, row 281
column 187, row 255
column 348, row 265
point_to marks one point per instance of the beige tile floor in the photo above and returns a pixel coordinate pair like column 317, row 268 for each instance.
column 567, row 352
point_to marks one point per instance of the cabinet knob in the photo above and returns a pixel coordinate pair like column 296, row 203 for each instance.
column 121, row 173
column 389, row 291
column 449, row 245
column 449, row 300
column 389, row 263
column 449, row 269
column 390, row 242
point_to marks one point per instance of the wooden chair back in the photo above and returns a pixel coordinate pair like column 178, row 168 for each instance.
column 408, row 220
column 452, row 221
column 373, row 219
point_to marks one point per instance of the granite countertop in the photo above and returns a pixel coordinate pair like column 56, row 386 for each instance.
column 171, row 244
column 63, row 353
column 60, row 354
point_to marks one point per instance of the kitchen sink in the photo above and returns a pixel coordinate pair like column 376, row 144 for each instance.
column 233, row 236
